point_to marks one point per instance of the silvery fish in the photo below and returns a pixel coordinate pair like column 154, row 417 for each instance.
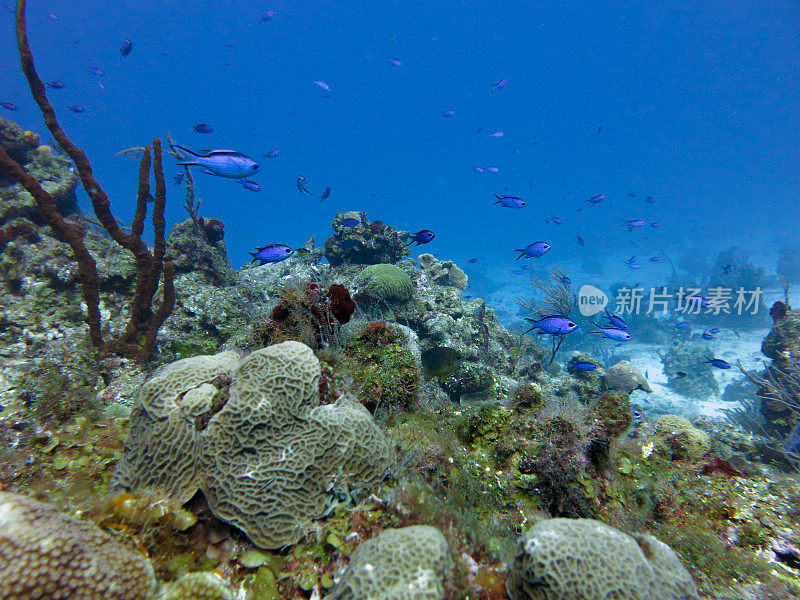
column 223, row 163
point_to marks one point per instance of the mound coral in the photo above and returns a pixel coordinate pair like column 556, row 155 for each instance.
column 359, row 241
column 443, row 272
column 412, row 563
column 676, row 438
column 387, row 283
column 624, row 377
column 46, row 554
column 571, row 559
column 253, row 437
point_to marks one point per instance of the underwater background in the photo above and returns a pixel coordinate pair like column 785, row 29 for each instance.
column 385, row 342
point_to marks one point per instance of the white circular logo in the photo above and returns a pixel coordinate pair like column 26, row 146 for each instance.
column 591, row 300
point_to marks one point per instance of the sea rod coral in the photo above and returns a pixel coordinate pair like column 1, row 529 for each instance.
column 139, row 338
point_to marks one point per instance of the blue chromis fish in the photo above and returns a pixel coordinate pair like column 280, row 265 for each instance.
column 581, row 241
column 250, row 185
column 616, row 321
column 395, row 62
column 565, row 280
column 581, row 366
column 178, row 179
column 681, row 325
column 56, row 85
column 302, row 184
column 553, row 325
column 612, row 333
column 125, row 48
column 77, row 108
column 203, row 128
column 266, row 17
column 707, row 335
column 500, row 84
column 222, row 163
column 637, row 416
column 714, row 330
column 323, row 86
column 421, row 237
column 718, row 362
column 273, row 154
column 325, row 194
column 8, row 105
column 595, row 199
column 492, row 169
column 510, row 201
column 534, row 250
column 271, row 253
column 349, row 222
column 96, row 71
column 632, row 224
column 448, row 113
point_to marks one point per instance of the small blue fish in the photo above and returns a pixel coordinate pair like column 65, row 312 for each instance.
column 656, row 225
column 271, row 253
column 125, row 48
column 707, row 335
column 8, row 105
column 302, row 184
column 581, row 241
column 718, row 362
column 595, row 199
column 448, row 113
column 477, row 169
column 222, row 163
column 650, row 200
column 581, row 366
column 500, row 85
column 178, row 179
column 273, row 154
column 492, row 169
column 325, row 194
column 637, row 416
column 534, row 250
column 323, row 86
column 395, row 62
column 553, row 325
column 632, row 224
column 565, row 280
column 655, row 258
column 266, row 17
column 349, row 222
column 250, row 185
column 473, row 260
column 555, row 220
column 203, row 128
column 56, row 85
column 496, row 134
column 617, row 322
column 510, row 201
column 77, row 108
column 96, row 71
column 714, row 330
column 696, row 299
column 421, row 237
column 727, row 269
column 612, row 333
column 681, row 325
column 518, row 272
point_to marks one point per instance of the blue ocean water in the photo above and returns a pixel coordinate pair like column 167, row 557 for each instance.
column 693, row 104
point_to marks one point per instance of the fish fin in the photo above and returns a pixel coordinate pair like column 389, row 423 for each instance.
column 188, row 151
column 189, row 163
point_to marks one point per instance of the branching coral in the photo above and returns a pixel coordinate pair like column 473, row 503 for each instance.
column 558, row 299
column 140, row 335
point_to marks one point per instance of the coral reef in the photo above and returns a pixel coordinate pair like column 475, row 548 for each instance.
column 677, row 439
column 625, row 377
column 561, row 559
column 211, row 422
column 443, row 272
column 688, row 372
column 47, row 554
column 412, row 563
column 358, row 241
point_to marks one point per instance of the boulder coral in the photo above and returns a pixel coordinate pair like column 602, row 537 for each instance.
column 676, row 438
column 387, row 283
column 412, row 563
column 254, row 438
column 46, row 554
column 572, row 559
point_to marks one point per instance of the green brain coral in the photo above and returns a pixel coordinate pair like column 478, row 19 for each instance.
column 384, row 282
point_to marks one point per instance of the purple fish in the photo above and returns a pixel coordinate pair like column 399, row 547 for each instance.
column 271, row 253
column 496, row 134
column 553, row 325
column 53, row 16
column 56, row 85
column 267, row 16
column 8, row 105
column 421, row 237
column 632, row 224
column 395, row 62
column 448, row 113
column 492, row 169
column 323, row 86
column 595, row 199
column 273, row 153
column 650, row 200
column 302, row 184
column 203, row 128
column 477, row 169
column 500, row 84
column 555, row 220
column 77, row 108
column 616, row 321
column 125, row 48
column 612, row 333
column 510, row 201
column 655, row 258
column 250, row 185
column 96, row 71
column 534, row 250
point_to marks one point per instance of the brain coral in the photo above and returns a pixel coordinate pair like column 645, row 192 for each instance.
column 197, row 586
column 411, row 563
column 263, row 450
column 676, row 438
column 584, row 559
column 46, row 554
column 384, row 282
